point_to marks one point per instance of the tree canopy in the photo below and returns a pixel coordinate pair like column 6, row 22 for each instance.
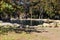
column 39, row 7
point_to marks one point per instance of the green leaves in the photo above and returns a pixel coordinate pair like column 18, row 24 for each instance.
column 49, row 6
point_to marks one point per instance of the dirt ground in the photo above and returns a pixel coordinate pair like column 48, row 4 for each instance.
column 51, row 34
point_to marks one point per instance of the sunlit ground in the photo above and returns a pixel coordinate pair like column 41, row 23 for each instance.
column 52, row 34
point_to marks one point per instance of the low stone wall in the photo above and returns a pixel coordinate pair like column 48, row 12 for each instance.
column 47, row 23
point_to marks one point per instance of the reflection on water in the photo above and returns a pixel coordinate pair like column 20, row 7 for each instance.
column 27, row 22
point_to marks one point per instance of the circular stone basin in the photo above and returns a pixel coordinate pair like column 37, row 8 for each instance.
column 28, row 22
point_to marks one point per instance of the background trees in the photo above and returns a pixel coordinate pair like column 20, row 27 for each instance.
column 40, row 8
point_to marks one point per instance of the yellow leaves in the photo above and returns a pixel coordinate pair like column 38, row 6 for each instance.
column 54, row 1
column 0, row 8
column 35, row 6
column 1, row 2
column 5, row 5
column 33, row 0
column 2, row 5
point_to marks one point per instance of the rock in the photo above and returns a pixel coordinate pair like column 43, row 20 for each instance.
column 56, row 21
column 46, row 25
column 52, row 24
column 15, row 24
column 4, row 24
column 58, row 24
column 39, row 25
column 27, row 26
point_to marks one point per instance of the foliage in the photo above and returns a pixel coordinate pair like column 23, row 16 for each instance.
column 50, row 7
